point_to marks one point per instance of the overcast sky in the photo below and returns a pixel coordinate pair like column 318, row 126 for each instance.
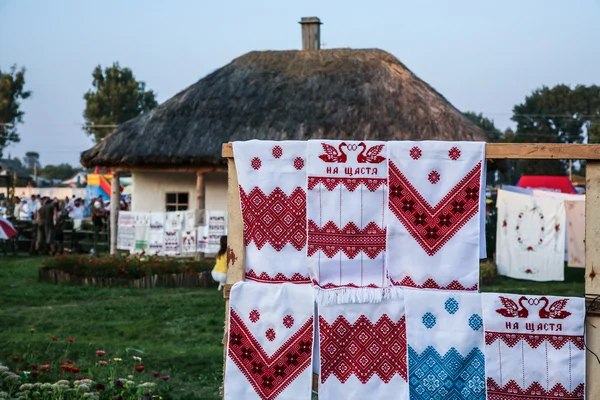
column 481, row 56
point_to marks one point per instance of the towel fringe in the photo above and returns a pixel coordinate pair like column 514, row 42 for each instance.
column 345, row 295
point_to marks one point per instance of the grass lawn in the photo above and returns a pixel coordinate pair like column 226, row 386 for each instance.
column 179, row 331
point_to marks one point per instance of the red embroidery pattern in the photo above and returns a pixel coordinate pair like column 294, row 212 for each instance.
column 277, row 151
column 254, row 316
column 415, row 153
column 351, row 240
column 270, row 334
column 269, row 376
column 350, row 285
column 372, row 155
column 256, row 163
column 332, row 154
column 288, row 321
column 298, row 163
column 454, row 153
column 511, row 309
column 279, row 278
column 512, row 391
column 534, row 340
column 431, row 284
column 276, row 219
column 433, row 227
column 363, row 349
column 351, row 183
column 434, row 177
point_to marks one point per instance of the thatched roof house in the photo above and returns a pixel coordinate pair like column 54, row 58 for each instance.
column 277, row 95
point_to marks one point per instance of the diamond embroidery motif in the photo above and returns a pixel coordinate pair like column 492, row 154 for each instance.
column 298, row 163
column 475, row 322
column 256, row 163
column 351, row 240
column 454, row 153
column 277, row 151
column 451, row 305
column 434, row 177
column 429, row 320
column 415, row 153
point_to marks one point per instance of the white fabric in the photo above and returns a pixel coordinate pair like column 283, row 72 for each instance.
column 575, row 211
column 436, row 204
column 363, row 351
column 141, row 223
column 346, row 202
column 217, row 227
column 219, row 277
column 202, row 239
column 445, row 344
column 534, row 345
column 172, row 242
column 188, row 241
column 190, row 220
column 174, row 220
column 274, row 323
column 272, row 179
column 156, row 239
column 24, row 214
column 530, row 239
column 125, row 231
column 77, row 212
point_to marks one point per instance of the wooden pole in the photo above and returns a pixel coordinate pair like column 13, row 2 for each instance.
column 115, row 205
column 592, row 274
column 200, row 200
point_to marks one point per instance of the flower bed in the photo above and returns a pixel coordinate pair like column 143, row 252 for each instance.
column 65, row 370
column 135, row 271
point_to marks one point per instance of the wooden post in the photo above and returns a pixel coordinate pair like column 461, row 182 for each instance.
column 115, row 206
column 200, row 201
column 592, row 274
column 311, row 33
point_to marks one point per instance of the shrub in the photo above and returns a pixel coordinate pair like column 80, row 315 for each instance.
column 487, row 272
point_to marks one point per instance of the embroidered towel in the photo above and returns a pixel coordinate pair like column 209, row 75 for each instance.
column 575, row 212
column 530, row 238
column 272, row 179
column 534, row 347
column 363, row 351
column 270, row 346
column 188, row 242
column 346, row 202
column 445, row 345
column 172, row 243
column 125, row 231
column 190, row 220
column 436, row 198
column 141, row 223
column 174, row 220
column 202, row 239
column 217, row 227
column 157, row 233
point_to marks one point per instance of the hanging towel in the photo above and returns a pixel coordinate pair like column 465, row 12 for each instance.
column 217, row 227
column 346, row 201
column 272, row 179
column 125, row 231
column 157, row 233
column 174, row 220
column 534, row 347
column 363, row 351
column 530, row 239
column 445, row 345
column 172, row 243
column 270, row 346
column 188, row 242
column 436, row 212
column 141, row 224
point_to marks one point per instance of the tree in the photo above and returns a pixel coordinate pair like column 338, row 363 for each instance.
column 116, row 97
column 12, row 90
column 492, row 133
column 61, row 171
column 32, row 161
column 556, row 115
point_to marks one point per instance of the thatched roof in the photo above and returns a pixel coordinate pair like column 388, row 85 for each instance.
column 278, row 95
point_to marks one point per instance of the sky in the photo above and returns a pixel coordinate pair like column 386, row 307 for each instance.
column 483, row 56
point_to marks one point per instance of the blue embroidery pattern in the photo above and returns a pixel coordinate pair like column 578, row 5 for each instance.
column 428, row 320
column 451, row 305
column 475, row 322
column 449, row 377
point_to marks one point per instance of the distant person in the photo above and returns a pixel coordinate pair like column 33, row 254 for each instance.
column 24, row 213
column 77, row 212
column 4, row 212
column 61, row 216
column 219, row 271
column 98, row 219
column 45, row 227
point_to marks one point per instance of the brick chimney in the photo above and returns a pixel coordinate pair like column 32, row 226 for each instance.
column 311, row 33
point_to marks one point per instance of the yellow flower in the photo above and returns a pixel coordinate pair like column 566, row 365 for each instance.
column 118, row 359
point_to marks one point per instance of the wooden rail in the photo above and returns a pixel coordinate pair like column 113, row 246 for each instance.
column 589, row 152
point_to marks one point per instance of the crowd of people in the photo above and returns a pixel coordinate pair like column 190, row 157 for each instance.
column 48, row 217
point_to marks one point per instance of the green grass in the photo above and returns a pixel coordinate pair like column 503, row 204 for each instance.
column 179, row 330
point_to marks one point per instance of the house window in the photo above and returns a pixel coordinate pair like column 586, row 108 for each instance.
column 177, row 201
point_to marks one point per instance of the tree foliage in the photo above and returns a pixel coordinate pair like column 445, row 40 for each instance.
column 31, row 161
column 12, row 91
column 492, row 133
column 116, row 97
column 61, row 171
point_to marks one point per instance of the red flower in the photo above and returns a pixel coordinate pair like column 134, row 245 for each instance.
column 33, row 366
column 65, row 368
column 504, row 224
column 556, row 227
column 35, row 374
column 100, row 353
column 68, row 361
column 74, row 370
column 45, row 367
column 100, row 387
column 16, row 358
column 156, row 374
column 102, row 362
column 54, row 338
column 165, row 377
column 70, row 340
column 528, row 271
column 139, row 368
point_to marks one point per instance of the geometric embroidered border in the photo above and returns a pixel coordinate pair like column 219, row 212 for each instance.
column 350, row 239
column 512, row 391
column 451, row 376
column 351, row 184
column 269, row 376
column 433, row 227
column 363, row 349
column 534, row 340
column 278, row 278
column 277, row 219
column 431, row 284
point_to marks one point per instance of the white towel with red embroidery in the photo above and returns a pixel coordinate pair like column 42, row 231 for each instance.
column 346, row 202
column 270, row 346
column 363, row 351
column 436, row 203
column 272, row 180
column 534, row 346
